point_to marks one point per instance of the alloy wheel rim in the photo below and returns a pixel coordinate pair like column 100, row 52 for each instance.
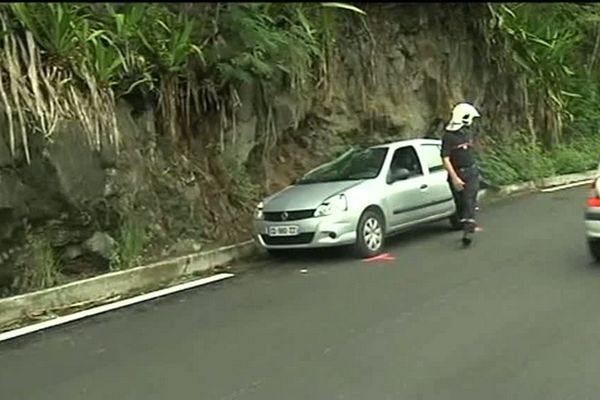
column 372, row 234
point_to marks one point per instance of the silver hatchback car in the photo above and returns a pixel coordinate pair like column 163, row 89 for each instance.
column 358, row 199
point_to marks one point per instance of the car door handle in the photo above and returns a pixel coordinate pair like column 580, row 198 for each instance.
column 424, row 186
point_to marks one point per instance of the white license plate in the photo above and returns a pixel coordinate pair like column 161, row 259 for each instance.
column 284, row 230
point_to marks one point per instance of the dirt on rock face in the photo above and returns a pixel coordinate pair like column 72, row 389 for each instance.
column 397, row 77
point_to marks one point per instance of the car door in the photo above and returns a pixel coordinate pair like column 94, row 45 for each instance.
column 439, row 196
column 406, row 199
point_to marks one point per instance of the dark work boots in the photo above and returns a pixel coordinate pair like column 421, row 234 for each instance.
column 468, row 231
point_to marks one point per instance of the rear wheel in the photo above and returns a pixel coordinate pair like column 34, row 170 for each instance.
column 594, row 246
column 370, row 235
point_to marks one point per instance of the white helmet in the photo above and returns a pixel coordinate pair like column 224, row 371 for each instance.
column 462, row 115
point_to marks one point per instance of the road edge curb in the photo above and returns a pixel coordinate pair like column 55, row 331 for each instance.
column 114, row 286
column 536, row 185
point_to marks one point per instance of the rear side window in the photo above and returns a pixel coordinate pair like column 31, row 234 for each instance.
column 431, row 157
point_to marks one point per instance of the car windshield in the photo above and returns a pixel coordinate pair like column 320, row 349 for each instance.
column 355, row 164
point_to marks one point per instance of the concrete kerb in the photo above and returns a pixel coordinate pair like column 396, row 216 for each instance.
column 534, row 186
column 122, row 284
column 116, row 285
column 567, row 179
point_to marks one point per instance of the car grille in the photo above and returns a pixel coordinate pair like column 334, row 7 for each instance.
column 303, row 238
column 291, row 215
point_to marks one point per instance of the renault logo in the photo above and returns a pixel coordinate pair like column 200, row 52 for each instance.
column 284, row 216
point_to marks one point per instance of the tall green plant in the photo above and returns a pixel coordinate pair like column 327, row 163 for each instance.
column 54, row 26
column 130, row 245
column 52, row 42
column 543, row 38
column 127, row 22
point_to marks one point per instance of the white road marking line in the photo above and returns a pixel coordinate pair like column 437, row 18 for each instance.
column 570, row 185
column 109, row 307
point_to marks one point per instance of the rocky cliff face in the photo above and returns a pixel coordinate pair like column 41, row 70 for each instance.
column 396, row 77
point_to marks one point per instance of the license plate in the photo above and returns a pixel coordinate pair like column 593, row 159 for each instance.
column 283, row 231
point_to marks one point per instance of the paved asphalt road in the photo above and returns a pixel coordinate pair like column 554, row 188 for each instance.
column 517, row 316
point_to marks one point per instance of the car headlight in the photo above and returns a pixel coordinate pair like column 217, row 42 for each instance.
column 332, row 205
column 258, row 212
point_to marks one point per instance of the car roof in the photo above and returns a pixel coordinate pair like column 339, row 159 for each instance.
column 408, row 142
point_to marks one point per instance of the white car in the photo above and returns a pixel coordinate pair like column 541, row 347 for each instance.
column 592, row 218
column 358, row 199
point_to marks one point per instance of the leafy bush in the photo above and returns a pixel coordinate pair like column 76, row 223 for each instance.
column 555, row 47
column 519, row 159
column 579, row 153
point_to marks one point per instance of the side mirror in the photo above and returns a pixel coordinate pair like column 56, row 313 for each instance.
column 398, row 174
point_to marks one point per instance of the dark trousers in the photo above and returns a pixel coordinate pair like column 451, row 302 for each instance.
column 466, row 199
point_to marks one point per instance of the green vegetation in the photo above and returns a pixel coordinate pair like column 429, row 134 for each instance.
column 130, row 244
column 555, row 46
column 520, row 159
column 187, row 63
column 42, row 270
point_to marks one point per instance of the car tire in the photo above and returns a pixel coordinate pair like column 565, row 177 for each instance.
column 455, row 223
column 370, row 235
column 594, row 246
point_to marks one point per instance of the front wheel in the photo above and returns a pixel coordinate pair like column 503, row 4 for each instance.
column 370, row 235
column 594, row 246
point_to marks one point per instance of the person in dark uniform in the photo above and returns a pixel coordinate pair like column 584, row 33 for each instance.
column 459, row 160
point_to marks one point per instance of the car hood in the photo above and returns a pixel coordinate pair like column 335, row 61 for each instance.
column 306, row 196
